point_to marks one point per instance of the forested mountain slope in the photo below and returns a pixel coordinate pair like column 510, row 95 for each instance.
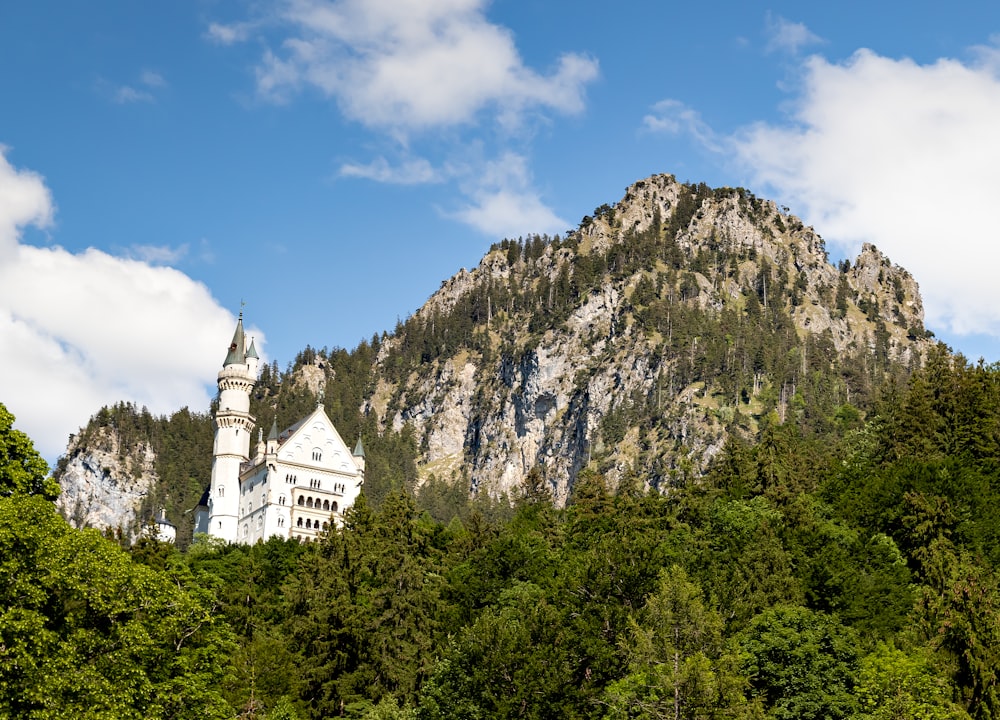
column 635, row 346
column 641, row 341
column 850, row 576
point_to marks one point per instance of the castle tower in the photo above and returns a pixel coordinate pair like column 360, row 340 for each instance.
column 233, row 428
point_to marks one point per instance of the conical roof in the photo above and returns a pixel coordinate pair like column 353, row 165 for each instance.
column 237, row 354
column 252, row 351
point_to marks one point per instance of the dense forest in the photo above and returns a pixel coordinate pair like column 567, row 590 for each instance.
column 851, row 573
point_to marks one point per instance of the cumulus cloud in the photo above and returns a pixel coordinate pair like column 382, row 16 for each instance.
column 903, row 155
column 82, row 330
column 408, row 65
column 505, row 204
column 24, row 200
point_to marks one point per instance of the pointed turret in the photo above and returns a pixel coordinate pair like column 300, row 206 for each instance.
column 359, row 456
column 233, row 428
column 252, row 359
column 272, row 438
column 237, row 348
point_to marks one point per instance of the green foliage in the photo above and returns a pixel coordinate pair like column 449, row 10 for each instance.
column 22, row 469
column 894, row 684
column 85, row 632
column 802, row 664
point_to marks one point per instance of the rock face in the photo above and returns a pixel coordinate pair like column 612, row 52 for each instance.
column 104, row 485
column 559, row 393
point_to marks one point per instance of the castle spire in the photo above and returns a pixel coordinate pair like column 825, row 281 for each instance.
column 237, row 348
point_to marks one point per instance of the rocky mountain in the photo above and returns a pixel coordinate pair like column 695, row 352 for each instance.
column 636, row 345
column 639, row 342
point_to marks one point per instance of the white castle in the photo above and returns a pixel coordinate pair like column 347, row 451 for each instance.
column 297, row 483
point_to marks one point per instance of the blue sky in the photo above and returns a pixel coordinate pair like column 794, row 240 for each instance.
column 330, row 163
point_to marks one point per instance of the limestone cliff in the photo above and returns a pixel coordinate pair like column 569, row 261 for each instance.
column 631, row 344
column 104, row 484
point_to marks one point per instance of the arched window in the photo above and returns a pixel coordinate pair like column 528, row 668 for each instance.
column 302, row 500
column 222, row 491
column 317, row 454
column 309, row 502
column 334, row 508
column 299, row 523
column 326, row 504
column 281, row 499
column 281, row 522
column 326, row 525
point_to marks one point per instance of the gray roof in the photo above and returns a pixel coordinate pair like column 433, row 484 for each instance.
column 237, row 354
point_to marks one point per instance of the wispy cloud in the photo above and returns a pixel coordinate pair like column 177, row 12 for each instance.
column 229, row 34
column 159, row 254
column 412, row 71
column 674, row 117
column 787, row 36
column 142, row 92
column 505, row 203
column 408, row 66
column 413, row 171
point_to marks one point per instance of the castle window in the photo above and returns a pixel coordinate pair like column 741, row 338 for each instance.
column 326, row 504
column 281, row 522
column 302, row 500
column 309, row 502
column 281, row 500
column 299, row 523
column 317, row 454
column 334, row 507
column 326, row 525
column 222, row 491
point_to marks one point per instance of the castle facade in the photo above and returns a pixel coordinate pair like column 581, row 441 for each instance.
column 296, row 484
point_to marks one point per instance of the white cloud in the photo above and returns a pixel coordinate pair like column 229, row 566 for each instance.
column 159, row 254
column 903, row 155
column 674, row 117
column 24, row 200
column 152, row 79
column 505, row 205
column 403, row 65
column 127, row 94
column 83, row 330
column 786, row 36
column 149, row 81
column 229, row 34
column 414, row 171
